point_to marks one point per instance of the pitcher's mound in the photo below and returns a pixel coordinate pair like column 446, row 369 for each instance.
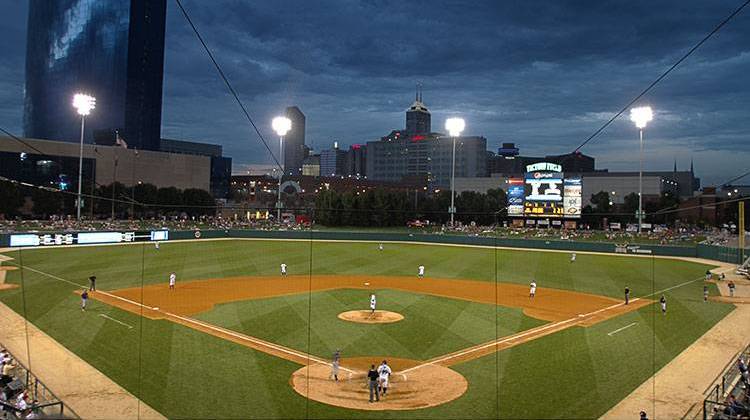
column 426, row 386
column 367, row 317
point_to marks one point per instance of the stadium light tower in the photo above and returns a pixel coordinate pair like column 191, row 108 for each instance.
column 454, row 126
column 281, row 125
column 83, row 104
column 641, row 116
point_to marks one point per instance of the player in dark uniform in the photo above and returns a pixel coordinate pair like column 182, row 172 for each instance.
column 84, row 298
column 92, row 283
column 705, row 293
column 663, row 302
column 627, row 295
column 372, row 383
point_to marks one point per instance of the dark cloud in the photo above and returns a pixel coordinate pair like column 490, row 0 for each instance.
column 544, row 74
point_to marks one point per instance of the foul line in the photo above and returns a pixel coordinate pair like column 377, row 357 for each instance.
column 620, row 329
column 112, row 319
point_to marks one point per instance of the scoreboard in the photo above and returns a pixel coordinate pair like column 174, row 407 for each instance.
column 545, row 192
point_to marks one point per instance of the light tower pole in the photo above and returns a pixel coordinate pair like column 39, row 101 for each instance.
column 83, row 104
column 641, row 117
column 281, row 125
column 454, row 126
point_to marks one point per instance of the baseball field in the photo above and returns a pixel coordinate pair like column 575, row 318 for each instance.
column 236, row 339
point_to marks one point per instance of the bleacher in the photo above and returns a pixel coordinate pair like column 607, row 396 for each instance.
column 744, row 269
column 729, row 397
column 23, row 396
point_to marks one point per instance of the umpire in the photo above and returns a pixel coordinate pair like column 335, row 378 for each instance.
column 92, row 283
column 372, row 382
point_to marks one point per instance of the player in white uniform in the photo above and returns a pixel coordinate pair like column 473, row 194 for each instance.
column 156, row 244
column 380, row 247
column 373, row 302
column 172, row 280
column 283, row 269
column 384, row 373
column 420, row 273
column 573, row 257
column 532, row 289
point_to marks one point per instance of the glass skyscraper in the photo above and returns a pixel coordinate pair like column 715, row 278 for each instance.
column 110, row 49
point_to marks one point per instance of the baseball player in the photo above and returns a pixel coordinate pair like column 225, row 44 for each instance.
column 731, row 287
column 627, row 295
column 84, row 298
column 373, row 302
column 708, row 275
column 420, row 273
column 380, row 247
column 384, row 373
column 156, row 244
column 705, row 293
column 283, row 269
column 172, row 280
column 335, row 365
column 663, row 302
column 532, row 289
column 573, row 257
column 92, row 283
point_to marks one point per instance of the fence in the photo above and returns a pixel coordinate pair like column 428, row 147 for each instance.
column 46, row 404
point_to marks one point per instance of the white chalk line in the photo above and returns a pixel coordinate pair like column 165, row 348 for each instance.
column 611, row 333
column 295, row 353
column 205, row 325
column 115, row 320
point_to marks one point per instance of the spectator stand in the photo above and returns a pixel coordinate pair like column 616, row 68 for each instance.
column 729, row 396
column 24, row 396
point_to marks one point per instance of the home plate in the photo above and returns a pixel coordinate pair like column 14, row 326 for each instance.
column 580, row 315
column 367, row 284
column 156, row 308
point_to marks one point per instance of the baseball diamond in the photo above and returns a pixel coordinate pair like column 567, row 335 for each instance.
column 465, row 338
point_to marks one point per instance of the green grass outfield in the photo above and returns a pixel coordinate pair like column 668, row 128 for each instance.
column 578, row 372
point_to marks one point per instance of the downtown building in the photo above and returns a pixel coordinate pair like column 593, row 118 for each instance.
column 417, row 152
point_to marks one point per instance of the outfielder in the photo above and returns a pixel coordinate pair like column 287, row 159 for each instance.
column 172, row 280
column 380, row 247
column 283, row 269
column 156, row 244
column 373, row 302
column 573, row 257
column 532, row 289
column 663, row 302
column 384, row 373
column 420, row 273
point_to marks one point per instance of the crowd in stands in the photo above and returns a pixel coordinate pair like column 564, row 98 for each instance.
column 15, row 400
column 736, row 404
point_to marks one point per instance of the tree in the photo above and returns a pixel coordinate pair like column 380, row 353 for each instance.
column 601, row 202
column 631, row 205
column 198, row 202
column 10, row 199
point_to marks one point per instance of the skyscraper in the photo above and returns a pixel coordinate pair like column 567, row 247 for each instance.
column 294, row 142
column 110, row 49
column 418, row 118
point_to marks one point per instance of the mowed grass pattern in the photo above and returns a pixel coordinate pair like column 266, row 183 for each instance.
column 579, row 372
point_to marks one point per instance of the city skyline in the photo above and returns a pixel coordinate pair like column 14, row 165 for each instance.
column 544, row 79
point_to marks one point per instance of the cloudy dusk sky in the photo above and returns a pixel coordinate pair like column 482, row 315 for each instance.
column 544, row 74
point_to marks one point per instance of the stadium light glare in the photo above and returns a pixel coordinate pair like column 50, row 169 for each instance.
column 455, row 126
column 84, row 103
column 281, row 125
column 641, row 116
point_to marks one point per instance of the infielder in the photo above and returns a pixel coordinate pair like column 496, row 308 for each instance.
column 373, row 302
column 172, row 280
column 335, row 365
column 384, row 373
column 283, row 269
column 573, row 257
column 92, row 283
column 84, row 298
column 663, row 302
column 627, row 295
column 532, row 289
column 420, row 273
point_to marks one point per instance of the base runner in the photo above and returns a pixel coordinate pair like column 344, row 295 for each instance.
column 384, row 373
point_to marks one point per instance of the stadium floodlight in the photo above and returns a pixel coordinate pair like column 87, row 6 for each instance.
column 641, row 116
column 83, row 104
column 281, row 125
column 454, row 126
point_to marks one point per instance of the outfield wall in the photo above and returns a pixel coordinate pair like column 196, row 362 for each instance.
column 716, row 253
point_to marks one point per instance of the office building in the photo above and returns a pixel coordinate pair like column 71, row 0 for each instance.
column 356, row 161
column 333, row 161
column 110, row 49
column 418, row 118
column 221, row 166
column 508, row 161
column 295, row 150
column 311, row 166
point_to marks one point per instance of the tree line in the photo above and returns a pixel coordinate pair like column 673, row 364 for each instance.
column 379, row 207
column 141, row 201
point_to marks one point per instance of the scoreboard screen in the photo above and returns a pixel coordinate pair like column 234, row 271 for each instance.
column 546, row 193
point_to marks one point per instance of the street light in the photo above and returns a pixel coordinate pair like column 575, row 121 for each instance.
column 83, row 104
column 641, row 116
column 281, row 125
column 454, row 126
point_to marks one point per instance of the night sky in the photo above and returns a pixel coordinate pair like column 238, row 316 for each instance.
column 542, row 74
